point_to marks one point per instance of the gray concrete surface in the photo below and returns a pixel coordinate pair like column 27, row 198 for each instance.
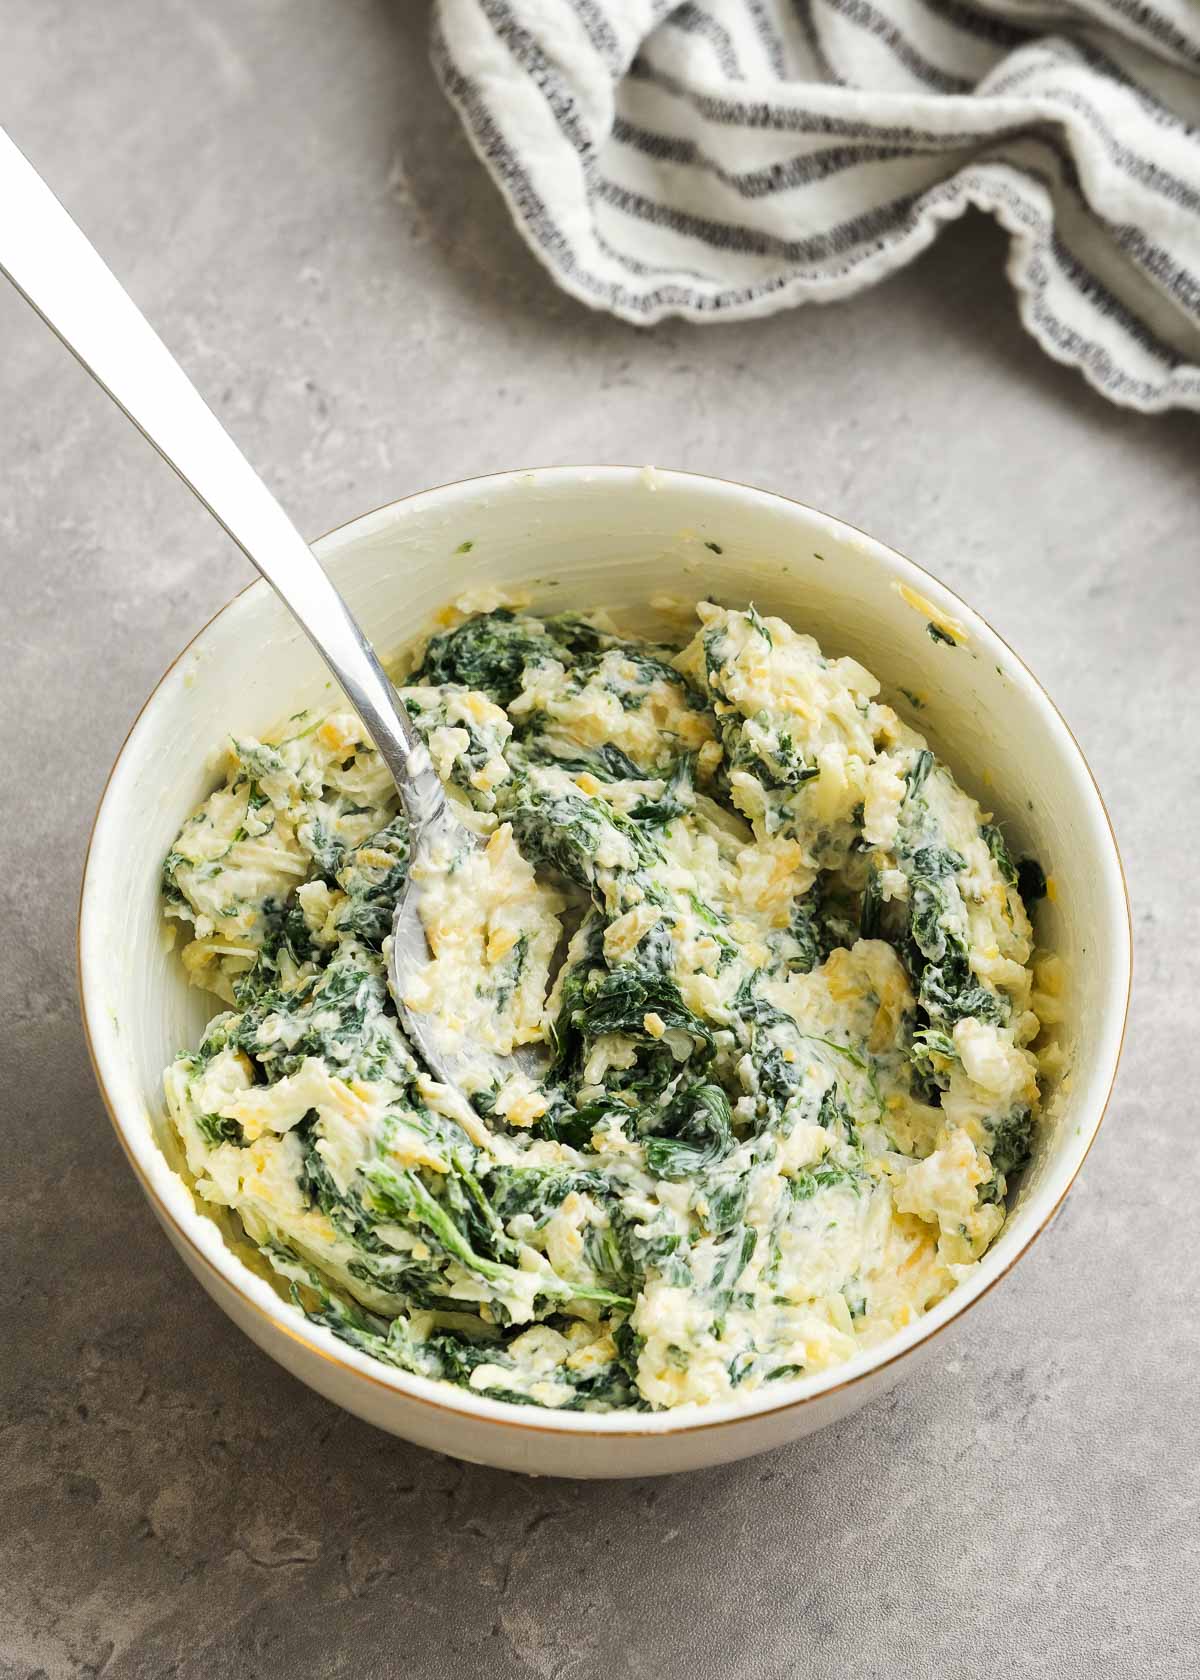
column 285, row 192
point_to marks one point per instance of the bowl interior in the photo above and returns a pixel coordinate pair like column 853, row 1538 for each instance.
column 629, row 541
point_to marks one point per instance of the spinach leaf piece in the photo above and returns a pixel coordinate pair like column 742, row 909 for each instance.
column 694, row 1132
column 998, row 846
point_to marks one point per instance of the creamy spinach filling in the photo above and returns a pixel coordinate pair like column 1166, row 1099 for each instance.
column 788, row 1057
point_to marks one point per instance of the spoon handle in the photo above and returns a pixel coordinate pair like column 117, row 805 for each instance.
column 55, row 268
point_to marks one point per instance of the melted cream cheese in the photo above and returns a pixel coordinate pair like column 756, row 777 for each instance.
column 789, row 1054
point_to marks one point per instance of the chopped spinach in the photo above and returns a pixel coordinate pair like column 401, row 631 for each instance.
column 722, row 1107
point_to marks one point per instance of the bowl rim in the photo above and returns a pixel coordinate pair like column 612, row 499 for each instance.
column 282, row 1317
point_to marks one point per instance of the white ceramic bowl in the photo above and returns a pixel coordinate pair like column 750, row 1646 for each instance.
column 582, row 537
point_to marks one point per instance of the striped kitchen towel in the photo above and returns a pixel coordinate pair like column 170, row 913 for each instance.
column 727, row 158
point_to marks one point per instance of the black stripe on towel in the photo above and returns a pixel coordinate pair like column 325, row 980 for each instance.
column 689, row 19
column 529, row 55
column 784, row 176
column 1149, row 22
column 764, row 28
column 872, row 224
column 600, row 33
column 812, row 39
column 982, row 25
column 782, row 119
column 866, row 16
column 1141, row 169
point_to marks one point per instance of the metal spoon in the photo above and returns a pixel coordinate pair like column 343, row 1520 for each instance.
column 54, row 267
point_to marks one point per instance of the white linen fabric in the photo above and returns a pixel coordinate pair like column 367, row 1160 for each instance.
column 730, row 158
